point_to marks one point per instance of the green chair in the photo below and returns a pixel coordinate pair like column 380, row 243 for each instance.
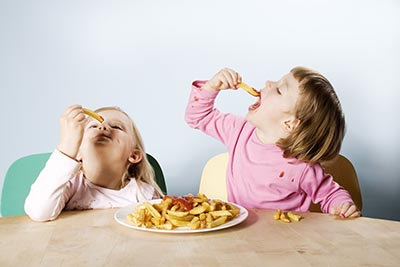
column 24, row 171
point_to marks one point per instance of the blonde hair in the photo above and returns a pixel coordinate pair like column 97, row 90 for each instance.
column 319, row 135
column 141, row 171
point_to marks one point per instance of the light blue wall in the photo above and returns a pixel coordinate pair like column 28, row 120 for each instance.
column 143, row 56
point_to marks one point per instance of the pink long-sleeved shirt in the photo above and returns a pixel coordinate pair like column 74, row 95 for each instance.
column 62, row 186
column 258, row 176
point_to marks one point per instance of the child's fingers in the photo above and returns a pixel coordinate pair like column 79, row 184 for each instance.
column 355, row 214
column 350, row 211
column 239, row 78
column 75, row 113
column 343, row 209
column 234, row 77
column 69, row 109
column 228, row 78
column 80, row 117
column 334, row 211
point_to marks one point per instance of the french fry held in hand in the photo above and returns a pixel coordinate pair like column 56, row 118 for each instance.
column 92, row 114
column 249, row 89
column 288, row 217
column 193, row 212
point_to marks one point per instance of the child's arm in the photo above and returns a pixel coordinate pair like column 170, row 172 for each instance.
column 323, row 189
column 52, row 189
column 200, row 112
column 50, row 192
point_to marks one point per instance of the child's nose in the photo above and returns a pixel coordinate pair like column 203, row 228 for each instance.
column 103, row 127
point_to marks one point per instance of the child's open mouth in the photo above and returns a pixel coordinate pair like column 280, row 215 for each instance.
column 103, row 137
column 255, row 105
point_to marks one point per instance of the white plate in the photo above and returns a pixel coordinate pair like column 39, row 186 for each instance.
column 120, row 217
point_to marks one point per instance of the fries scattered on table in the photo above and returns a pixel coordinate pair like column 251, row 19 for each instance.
column 193, row 212
column 287, row 217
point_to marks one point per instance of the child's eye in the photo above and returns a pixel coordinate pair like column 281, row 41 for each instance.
column 116, row 127
column 278, row 91
column 92, row 126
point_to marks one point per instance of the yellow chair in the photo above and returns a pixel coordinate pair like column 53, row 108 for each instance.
column 213, row 178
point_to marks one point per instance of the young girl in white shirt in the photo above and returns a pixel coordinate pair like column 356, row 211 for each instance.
column 95, row 165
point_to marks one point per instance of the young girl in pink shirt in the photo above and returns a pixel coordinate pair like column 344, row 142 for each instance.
column 274, row 152
column 96, row 165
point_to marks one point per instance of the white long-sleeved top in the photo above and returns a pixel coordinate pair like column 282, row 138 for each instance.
column 62, row 186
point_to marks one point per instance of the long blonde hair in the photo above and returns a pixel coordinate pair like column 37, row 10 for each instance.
column 141, row 171
column 320, row 133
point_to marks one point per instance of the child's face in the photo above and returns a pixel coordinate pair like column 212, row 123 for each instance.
column 276, row 105
column 112, row 139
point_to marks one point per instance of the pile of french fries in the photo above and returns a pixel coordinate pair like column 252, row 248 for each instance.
column 193, row 212
column 288, row 217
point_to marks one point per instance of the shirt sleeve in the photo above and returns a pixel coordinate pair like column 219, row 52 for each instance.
column 322, row 189
column 201, row 114
column 52, row 189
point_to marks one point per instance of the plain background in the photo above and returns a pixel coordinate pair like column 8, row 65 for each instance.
column 143, row 56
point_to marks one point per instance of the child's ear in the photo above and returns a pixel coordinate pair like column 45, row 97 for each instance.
column 291, row 124
column 136, row 156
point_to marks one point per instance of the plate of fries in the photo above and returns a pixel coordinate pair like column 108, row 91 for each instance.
column 188, row 214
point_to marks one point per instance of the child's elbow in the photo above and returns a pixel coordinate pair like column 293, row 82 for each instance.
column 38, row 214
column 191, row 121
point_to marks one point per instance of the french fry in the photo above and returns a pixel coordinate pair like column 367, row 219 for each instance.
column 175, row 207
column 249, row 89
column 293, row 217
column 206, row 205
column 198, row 200
column 92, row 114
column 202, row 217
column 198, row 210
column 177, row 222
column 217, row 222
column 165, row 226
column 178, row 213
column 166, row 204
column 284, row 218
column 277, row 215
column 209, row 218
column 194, row 225
column 152, row 210
column 155, row 221
column 220, row 213
column 185, row 218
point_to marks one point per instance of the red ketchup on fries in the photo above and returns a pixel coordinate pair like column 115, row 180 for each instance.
column 186, row 202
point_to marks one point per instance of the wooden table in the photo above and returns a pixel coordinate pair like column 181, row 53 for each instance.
column 93, row 238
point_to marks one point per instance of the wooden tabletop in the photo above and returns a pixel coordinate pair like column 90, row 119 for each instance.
column 93, row 238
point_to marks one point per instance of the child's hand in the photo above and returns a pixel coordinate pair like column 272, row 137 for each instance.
column 224, row 79
column 345, row 210
column 72, row 126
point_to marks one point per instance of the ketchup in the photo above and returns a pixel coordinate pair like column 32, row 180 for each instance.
column 185, row 202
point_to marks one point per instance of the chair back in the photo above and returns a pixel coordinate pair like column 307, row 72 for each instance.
column 343, row 173
column 23, row 172
column 213, row 178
